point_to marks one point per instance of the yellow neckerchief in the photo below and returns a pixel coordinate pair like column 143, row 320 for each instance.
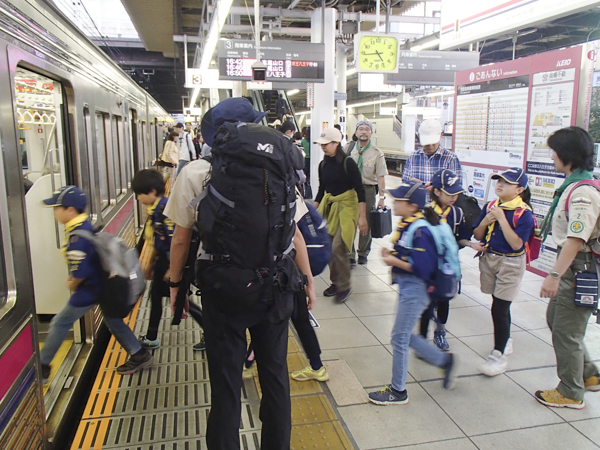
column 443, row 213
column 70, row 226
column 405, row 223
column 149, row 229
column 512, row 205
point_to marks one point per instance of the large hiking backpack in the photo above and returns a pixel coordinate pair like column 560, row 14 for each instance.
column 444, row 284
column 122, row 279
column 318, row 242
column 246, row 218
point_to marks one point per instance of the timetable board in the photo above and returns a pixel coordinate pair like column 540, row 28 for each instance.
column 504, row 114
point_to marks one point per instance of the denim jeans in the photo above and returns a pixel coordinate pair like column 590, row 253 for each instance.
column 181, row 165
column 63, row 322
column 413, row 300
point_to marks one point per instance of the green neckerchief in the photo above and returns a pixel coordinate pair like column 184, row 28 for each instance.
column 575, row 177
column 360, row 152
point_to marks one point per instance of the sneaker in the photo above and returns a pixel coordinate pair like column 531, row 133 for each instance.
column 557, row 400
column 362, row 260
column 439, row 339
column 342, row 296
column 449, row 380
column 45, row 373
column 509, row 347
column 248, row 373
column 308, row 373
column 149, row 343
column 495, row 364
column 352, row 263
column 330, row 291
column 592, row 384
column 200, row 346
column 135, row 363
column 389, row 396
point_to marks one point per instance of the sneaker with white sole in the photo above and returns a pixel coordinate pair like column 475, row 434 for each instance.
column 555, row 399
column 509, row 347
column 495, row 365
column 308, row 373
column 149, row 343
column 389, row 396
column 449, row 380
column 136, row 363
column 200, row 346
column 439, row 339
column 592, row 384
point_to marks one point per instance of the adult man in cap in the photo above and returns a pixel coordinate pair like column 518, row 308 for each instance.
column 432, row 158
column 185, row 146
column 371, row 163
column 226, row 332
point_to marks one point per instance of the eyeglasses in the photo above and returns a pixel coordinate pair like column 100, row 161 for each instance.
column 363, row 129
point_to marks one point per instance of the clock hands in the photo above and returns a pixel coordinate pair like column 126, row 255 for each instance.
column 376, row 53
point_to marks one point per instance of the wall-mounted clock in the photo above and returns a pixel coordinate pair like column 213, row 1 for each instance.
column 376, row 53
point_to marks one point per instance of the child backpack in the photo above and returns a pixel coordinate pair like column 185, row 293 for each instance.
column 313, row 227
column 122, row 279
column 246, row 218
column 533, row 246
column 470, row 208
column 443, row 286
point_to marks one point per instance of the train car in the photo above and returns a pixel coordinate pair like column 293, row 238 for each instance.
column 68, row 115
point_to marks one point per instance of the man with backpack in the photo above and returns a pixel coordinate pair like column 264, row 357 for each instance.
column 185, row 146
column 371, row 163
column 247, row 278
column 281, row 107
column 85, row 282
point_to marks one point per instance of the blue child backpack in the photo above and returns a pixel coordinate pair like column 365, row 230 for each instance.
column 318, row 242
column 444, row 284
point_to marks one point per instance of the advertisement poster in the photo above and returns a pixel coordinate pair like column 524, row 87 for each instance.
column 477, row 182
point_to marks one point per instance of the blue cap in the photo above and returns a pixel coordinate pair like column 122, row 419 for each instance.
column 235, row 109
column 67, row 196
column 411, row 191
column 447, row 181
column 514, row 175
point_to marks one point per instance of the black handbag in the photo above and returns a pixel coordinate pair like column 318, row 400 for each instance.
column 381, row 222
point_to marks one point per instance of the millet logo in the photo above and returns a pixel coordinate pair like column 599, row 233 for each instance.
column 267, row 148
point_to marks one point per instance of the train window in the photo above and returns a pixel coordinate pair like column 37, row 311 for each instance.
column 118, row 162
column 91, row 174
column 125, row 157
column 146, row 160
column 101, row 160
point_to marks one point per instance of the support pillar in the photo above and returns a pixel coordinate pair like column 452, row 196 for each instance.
column 340, row 73
column 237, row 89
column 322, row 113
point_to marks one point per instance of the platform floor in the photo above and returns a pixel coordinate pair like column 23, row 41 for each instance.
column 165, row 406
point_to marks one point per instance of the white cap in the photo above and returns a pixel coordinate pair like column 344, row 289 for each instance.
column 430, row 132
column 329, row 135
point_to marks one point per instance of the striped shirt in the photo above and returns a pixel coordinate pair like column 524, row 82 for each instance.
column 422, row 167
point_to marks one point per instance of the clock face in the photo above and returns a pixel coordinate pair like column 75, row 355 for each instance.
column 378, row 53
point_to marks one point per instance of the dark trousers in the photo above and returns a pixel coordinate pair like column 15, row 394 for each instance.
column 305, row 330
column 225, row 352
column 443, row 308
column 158, row 291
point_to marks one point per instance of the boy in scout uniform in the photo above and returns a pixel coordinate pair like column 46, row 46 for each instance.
column 575, row 233
column 371, row 163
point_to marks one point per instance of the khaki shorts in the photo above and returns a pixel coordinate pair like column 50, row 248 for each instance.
column 501, row 275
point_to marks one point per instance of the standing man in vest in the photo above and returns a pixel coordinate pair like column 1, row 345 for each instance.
column 185, row 146
column 432, row 158
column 371, row 163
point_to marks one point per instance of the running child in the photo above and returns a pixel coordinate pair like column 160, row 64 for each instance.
column 446, row 187
column 409, row 203
column 504, row 227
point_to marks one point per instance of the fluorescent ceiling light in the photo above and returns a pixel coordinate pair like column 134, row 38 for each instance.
column 216, row 25
column 426, row 45
column 293, row 92
column 378, row 102
column 350, row 72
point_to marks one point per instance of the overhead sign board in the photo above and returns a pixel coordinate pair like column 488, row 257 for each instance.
column 285, row 60
column 431, row 67
column 205, row 79
column 374, row 82
column 464, row 22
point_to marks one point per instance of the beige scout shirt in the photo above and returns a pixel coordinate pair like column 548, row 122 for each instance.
column 373, row 163
column 584, row 210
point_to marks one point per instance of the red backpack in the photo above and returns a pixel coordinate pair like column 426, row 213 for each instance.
column 533, row 246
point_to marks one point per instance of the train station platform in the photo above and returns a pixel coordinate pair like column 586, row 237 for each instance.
column 165, row 406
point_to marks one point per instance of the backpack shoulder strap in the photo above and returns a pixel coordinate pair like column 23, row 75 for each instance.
column 594, row 183
column 458, row 218
column 351, row 147
column 86, row 234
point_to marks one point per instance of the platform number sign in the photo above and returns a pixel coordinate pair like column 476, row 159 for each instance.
column 196, row 79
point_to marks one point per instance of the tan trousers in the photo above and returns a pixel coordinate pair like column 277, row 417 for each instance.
column 339, row 266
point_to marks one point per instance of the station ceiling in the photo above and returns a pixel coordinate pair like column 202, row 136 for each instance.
column 157, row 62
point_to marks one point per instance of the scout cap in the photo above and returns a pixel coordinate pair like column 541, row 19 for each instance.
column 411, row 191
column 67, row 196
column 514, row 175
column 447, row 181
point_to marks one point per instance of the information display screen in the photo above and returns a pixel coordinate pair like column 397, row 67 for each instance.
column 285, row 61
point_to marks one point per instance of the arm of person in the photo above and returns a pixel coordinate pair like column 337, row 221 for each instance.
column 563, row 262
column 482, row 223
column 180, row 247
column 407, row 173
column 304, row 265
column 73, row 283
column 455, row 167
column 391, row 260
column 510, row 235
column 381, row 186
